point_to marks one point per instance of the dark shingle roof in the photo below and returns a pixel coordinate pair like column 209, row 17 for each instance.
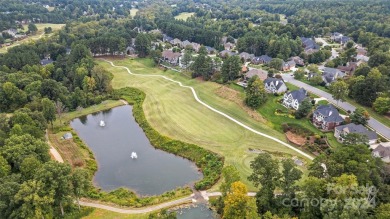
column 299, row 95
column 46, row 61
column 329, row 112
column 277, row 82
column 358, row 129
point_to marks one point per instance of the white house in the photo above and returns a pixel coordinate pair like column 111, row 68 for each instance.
column 274, row 85
column 294, row 98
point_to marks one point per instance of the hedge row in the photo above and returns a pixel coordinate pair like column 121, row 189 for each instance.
column 209, row 163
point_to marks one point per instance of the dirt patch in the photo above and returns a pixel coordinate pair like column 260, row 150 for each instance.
column 296, row 139
column 234, row 96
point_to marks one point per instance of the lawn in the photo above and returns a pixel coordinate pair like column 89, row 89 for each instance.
column 100, row 213
column 184, row 16
column 36, row 36
column 173, row 111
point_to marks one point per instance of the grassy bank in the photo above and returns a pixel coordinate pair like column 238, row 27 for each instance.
column 172, row 111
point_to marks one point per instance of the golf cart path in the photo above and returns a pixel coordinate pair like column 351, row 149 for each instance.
column 217, row 111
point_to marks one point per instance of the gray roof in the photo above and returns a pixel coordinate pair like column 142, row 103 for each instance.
column 382, row 151
column 277, row 82
column 331, row 74
column 309, row 43
column 358, row 129
column 260, row 73
column 46, row 61
column 299, row 95
column 329, row 112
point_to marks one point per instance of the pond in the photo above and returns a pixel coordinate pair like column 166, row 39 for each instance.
column 200, row 211
column 153, row 172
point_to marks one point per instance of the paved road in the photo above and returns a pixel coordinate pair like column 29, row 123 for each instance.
column 217, row 111
column 373, row 123
column 324, row 43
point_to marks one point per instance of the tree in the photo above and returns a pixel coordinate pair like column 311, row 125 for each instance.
column 32, row 28
column 304, row 109
column 299, row 74
column 89, row 84
column 256, row 94
column 339, row 90
column 80, row 183
column 33, row 201
column 56, row 178
column 276, row 64
column 290, row 175
column 142, row 45
column 48, row 30
column 48, row 110
column 202, row 65
column 5, row 168
column 316, row 80
column 102, row 78
column 265, row 173
column 313, row 68
column 156, row 55
column 187, row 58
column 312, row 189
column 230, row 175
column 359, row 116
column 383, row 211
column 60, row 108
column 382, row 105
column 231, row 68
column 354, row 139
column 237, row 203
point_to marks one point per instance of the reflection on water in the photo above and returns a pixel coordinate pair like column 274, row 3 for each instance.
column 200, row 211
column 153, row 172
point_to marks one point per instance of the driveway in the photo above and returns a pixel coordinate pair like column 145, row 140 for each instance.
column 373, row 123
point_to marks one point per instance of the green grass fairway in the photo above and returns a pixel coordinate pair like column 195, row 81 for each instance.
column 184, row 16
column 36, row 36
column 104, row 214
column 173, row 111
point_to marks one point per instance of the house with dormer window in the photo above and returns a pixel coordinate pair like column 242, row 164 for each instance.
column 275, row 86
column 294, row 98
column 327, row 117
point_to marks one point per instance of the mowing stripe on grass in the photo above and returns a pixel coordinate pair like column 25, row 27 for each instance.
column 217, row 111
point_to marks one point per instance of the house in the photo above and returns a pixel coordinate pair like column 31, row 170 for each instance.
column 275, row 85
column 171, row 57
column 264, row 59
column 185, row 43
column 176, row 42
column 309, row 45
column 331, row 74
column 341, row 131
column 294, row 98
column 260, row 73
column 196, row 46
column 46, row 61
column 246, row 56
column 349, row 69
column 382, row 150
column 167, row 38
column 286, row 66
column 210, row 50
column 226, row 53
column 361, row 51
column 67, row 136
column 327, row 117
column 298, row 60
column 228, row 46
column 339, row 38
column 130, row 50
column 362, row 58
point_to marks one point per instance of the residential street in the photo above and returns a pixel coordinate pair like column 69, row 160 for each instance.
column 373, row 123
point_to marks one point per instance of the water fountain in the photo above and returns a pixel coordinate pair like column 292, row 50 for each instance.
column 133, row 155
column 102, row 123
